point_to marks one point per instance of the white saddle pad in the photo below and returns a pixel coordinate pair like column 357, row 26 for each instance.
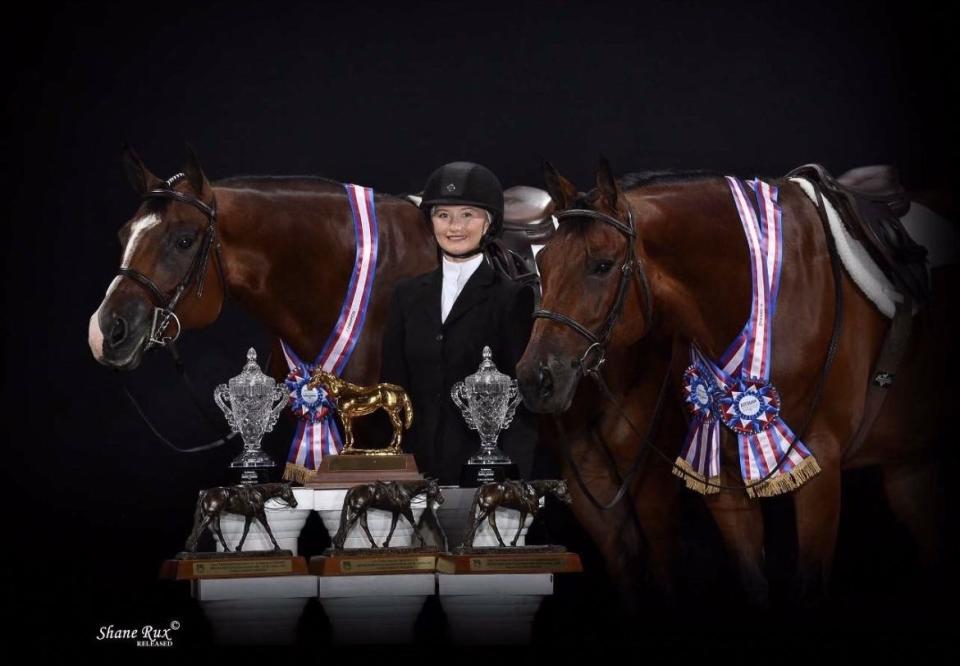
column 925, row 227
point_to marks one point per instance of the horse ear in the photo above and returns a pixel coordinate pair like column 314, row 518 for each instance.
column 139, row 175
column 195, row 176
column 607, row 185
column 561, row 190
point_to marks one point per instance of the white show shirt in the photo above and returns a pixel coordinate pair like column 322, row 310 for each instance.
column 455, row 276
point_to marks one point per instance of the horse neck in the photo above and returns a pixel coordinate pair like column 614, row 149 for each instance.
column 693, row 249
column 267, row 267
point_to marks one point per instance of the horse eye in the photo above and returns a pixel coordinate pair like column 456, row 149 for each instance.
column 602, row 266
column 184, row 242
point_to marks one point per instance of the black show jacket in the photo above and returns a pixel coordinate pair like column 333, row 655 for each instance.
column 428, row 357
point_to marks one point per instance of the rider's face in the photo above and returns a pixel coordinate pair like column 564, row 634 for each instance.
column 458, row 229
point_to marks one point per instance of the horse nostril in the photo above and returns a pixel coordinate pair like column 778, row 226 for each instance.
column 546, row 382
column 118, row 332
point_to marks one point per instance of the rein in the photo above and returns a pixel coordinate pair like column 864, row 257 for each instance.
column 598, row 344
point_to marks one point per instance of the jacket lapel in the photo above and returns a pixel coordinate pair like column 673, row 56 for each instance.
column 428, row 298
column 474, row 291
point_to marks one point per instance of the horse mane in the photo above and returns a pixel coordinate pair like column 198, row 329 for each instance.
column 297, row 183
column 637, row 179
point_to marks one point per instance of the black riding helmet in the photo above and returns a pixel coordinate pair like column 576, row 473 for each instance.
column 465, row 184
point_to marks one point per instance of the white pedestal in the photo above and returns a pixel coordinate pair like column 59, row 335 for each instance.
column 492, row 609
column 254, row 611
column 329, row 502
column 285, row 523
column 374, row 609
column 458, row 510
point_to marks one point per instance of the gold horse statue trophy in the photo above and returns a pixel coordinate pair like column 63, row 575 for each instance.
column 354, row 401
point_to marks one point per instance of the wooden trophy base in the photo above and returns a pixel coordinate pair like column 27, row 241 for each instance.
column 254, row 564
column 367, row 562
column 351, row 469
column 520, row 559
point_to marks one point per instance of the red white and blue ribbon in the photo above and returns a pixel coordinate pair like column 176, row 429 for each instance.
column 735, row 390
column 317, row 434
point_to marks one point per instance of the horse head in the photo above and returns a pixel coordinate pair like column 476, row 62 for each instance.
column 589, row 272
column 284, row 493
column 432, row 490
column 168, row 277
column 559, row 490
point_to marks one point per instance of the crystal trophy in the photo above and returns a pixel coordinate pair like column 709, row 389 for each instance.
column 487, row 400
column 252, row 402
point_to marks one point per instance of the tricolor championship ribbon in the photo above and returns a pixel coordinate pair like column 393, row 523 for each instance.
column 317, row 434
column 736, row 390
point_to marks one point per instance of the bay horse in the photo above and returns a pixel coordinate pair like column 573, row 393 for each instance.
column 246, row 501
column 693, row 286
column 273, row 243
column 392, row 496
column 522, row 496
column 353, row 400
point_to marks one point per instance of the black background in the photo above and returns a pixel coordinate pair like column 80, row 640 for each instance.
column 381, row 95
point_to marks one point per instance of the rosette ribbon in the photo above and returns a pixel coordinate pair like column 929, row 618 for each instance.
column 735, row 391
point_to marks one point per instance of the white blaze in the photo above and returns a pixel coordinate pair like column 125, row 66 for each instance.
column 94, row 334
column 139, row 228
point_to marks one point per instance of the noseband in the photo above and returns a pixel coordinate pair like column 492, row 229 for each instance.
column 594, row 356
column 163, row 314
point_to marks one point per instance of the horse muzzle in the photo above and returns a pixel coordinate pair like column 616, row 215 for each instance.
column 547, row 384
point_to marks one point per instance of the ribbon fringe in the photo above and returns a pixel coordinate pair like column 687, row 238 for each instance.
column 694, row 480
column 785, row 483
column 298, row 473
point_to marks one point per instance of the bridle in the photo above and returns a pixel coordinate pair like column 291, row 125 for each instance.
column 594, row 356
column 164, row 308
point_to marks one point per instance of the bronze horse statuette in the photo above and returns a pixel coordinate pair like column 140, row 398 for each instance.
column 392, row 496
column 353, row 400
column 522, row 496
column 246, row 501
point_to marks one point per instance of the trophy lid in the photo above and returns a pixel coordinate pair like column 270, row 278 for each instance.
column 251, row 381
column 487, row 377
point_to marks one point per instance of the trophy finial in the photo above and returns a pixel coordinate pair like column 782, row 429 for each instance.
column 487, row 354
column 252, row 354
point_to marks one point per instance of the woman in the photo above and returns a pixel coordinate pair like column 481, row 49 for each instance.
column 440, row 321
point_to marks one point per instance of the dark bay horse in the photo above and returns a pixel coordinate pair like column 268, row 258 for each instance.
column 246, row 501
column 271, row 243
column 392, row 496
column 690, row 246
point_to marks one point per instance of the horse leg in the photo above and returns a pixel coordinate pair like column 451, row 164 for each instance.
column 408, row 514
column 474, row 526
column 740, row 522
column 363, row 524
column 913, row 492
column 523, row 519
column 347, row 434
column 246, row 528
column 492, row 520
column 215, row 527
column 196, row 533
column 393, row 526
column 262, row 517
column 817, row 505
column 397, row 425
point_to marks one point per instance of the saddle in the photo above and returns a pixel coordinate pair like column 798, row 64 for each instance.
column 871, row 202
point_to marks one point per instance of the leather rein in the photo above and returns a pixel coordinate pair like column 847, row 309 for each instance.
column 593, row 357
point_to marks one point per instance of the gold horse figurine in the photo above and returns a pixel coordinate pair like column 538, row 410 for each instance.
column 353, row 401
